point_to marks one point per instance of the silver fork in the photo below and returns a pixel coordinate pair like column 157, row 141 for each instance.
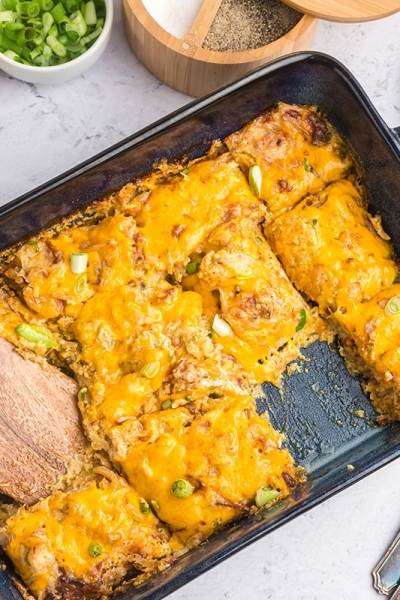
column 387, row 572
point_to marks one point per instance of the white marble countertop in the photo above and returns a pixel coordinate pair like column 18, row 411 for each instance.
column 329, row 552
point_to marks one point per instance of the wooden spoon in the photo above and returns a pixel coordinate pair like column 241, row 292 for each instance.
column 40, row 429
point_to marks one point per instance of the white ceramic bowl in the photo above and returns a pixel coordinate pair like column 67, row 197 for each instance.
column 68, row 70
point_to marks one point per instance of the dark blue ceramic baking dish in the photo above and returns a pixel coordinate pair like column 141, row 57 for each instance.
column 327, row 419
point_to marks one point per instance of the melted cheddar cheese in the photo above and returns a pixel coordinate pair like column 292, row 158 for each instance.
column 226, row 451
column 166, row 394
column 330, row 249
column 297, row 151
column 94, row 535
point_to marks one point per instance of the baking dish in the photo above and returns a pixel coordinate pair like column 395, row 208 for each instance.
column 327, row 419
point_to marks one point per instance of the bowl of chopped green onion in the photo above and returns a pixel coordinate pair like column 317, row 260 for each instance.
column 52, row 41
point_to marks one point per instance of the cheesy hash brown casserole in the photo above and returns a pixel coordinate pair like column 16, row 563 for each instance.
column 170, row 302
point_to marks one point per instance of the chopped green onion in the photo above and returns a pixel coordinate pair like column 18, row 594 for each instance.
column 90, row 13
column 150, row 370
column 307, row 166
column 47, row 32
column 303, row 319
column 221, row 327
column 214, row 396
column 393, row 306
column 57, row 48
column 10, row 54
column 192, row 268
column 71, row 32
column 184, row 173
column 80, row 284
column 31, row 9
column 396, row 278
column 32, row 243
column 79, row 262
column 154, row 505
column 7, row 16
column 58, row 12
column 46, row 5
column 255, row 179
column 166, row 404
column 33, row 334
column 72, row 5
column 258, row 239
column 7, row 44
column 144, row 508
column 188, row 399
column 77, row 19
column 82, row 394
column 265, row 495
column 182, row 488
column 95, row 550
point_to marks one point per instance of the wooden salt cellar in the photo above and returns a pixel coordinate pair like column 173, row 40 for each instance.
column 185, row 65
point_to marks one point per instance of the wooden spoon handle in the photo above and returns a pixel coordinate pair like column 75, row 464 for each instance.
column 40, row 430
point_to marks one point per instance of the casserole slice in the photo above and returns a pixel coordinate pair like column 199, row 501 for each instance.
column 297, row 150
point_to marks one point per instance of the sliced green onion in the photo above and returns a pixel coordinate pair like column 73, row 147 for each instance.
column 214, row 396
column 393, row 306
column 258, row 239
column 7, row 16
column 7, row 44
column 32, row 243
column 144, row 508
column 55, row 45
column 303, row 319
column 72, row 5
column 265, row 495
column 47, row 32
column 255, row 179
column 33, row 334
column 31, row 9
column 221, row 327
column 92, row 36
column 58, row 12
column 192, row 268
column 79, row 262
column 46, row 5
column 154, row 505
column 10, row 54
column 90, row 13
column 80, row 284
column 150, row 370
column 77, row 19
column 72, row 32
column 166, row 404
column 82, row 394
column 307, row 166
column 95, row 550
column 182, row 488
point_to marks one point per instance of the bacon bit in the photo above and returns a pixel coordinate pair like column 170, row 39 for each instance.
column 283, row 184
column 290, row 482
column 294, row 114
column 177, row 230
column 370, row 326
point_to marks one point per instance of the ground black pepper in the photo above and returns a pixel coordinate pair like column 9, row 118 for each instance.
column 241, row 25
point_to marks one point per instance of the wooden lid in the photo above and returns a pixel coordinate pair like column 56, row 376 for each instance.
column 346, row 11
